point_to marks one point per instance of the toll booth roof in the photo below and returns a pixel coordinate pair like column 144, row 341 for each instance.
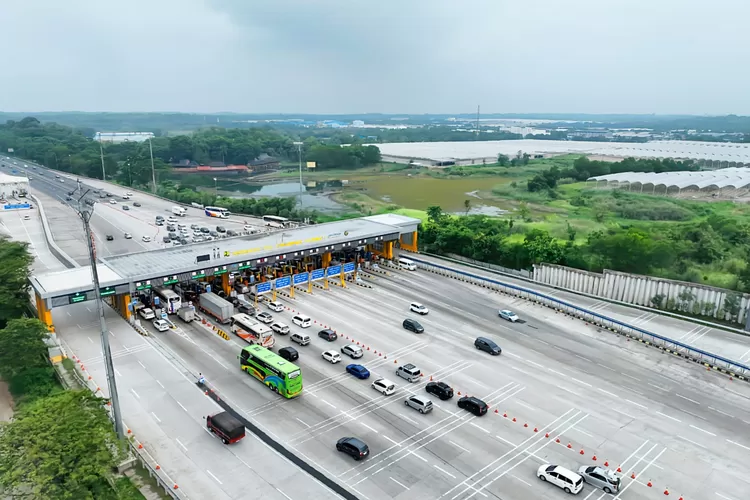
column 183, row 259
column 396, row 220
column 77, row 278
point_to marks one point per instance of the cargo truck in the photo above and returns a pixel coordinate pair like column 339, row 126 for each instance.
column 226, row 427
column 186, row 314
column 215, row 306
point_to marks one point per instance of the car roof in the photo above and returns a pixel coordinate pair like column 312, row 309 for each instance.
column 384, row 381
column 330, row 352
column 408, row 366
column 354, row 347
column 288, row 349
column 353, row 441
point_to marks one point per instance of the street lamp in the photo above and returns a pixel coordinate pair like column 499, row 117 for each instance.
column 299, row 151
column 101, row 153
column 153, row 172
column 216, row 186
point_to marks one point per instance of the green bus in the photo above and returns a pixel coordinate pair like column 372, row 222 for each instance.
column 278, row 374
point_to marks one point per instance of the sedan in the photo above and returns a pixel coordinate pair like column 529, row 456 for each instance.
column 110, row 237
column 136, row 204
column 358, row 371
column 161, row 325
column 146, row 239
column 147, row 313
column 508, row 315
column 112, row 202
column 332, row 357
column 195, row 227
column 418, row 308
column 264, row 317
column 280, row 328
column 125, row 207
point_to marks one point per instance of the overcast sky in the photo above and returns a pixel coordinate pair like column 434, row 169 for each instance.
column 389, row 56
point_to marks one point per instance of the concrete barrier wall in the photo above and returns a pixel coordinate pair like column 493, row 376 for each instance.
column 56, row 250
column 658, row 293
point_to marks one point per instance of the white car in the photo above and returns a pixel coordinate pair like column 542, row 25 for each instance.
column 171, row 220
column 112, row 202
column 276, row 306
column 128, row 194
column 384, row 386
column 561, row 477
column 26, row 217
column 161, row 325
column 146, row 239
column 332, row 357
column 280, row 328
column 62, row 180
column 508, row 315
column 264, row 318
column 147, row 313
column 418, row 308
column 126, row 197
column 128, row 236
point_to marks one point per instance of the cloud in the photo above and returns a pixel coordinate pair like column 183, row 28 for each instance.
column 349, row 56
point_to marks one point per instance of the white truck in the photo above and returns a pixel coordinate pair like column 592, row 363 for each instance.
column 215, row 306
column 186, row 313
column 179, row 211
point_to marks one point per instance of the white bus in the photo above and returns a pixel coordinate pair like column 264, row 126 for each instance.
column 252, row 331
column 221, row 213
column 275, row 221
column 169, row 300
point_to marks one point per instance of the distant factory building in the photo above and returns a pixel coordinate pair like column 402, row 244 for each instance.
column 116, row 137
column 358, row 123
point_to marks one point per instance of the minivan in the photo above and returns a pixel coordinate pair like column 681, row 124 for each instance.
column 302, row 321
column 300, row 338
column 422, row 405
column 413, row 325
column 487, row 345
column 473, row 405
column 276, row 306
column 564, row 478
column 407, row 264
column 409, row 372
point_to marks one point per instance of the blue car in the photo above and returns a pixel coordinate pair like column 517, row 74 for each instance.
column 358, row 371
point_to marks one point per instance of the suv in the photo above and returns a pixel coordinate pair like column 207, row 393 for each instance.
column 600, row 477
column 473, row 405
column 328, row 335
column 422, row 405
column 289, row 353
column 439, row 389
column 353, row 447
column 409, row 372
column 353, row 351
column 275, row 306
column 418, row 308
column 280, row 328
column 221, row 229
column 413, row 325
column 487, row 345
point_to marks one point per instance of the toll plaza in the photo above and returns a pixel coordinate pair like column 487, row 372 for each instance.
column 280, row 262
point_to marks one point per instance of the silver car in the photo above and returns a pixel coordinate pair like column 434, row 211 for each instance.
column 422, row 405
column 600, row 477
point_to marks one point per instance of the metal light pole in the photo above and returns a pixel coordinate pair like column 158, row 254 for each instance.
column 299, row 151
column 153, row 172
column 101, row 152
column 216, row 187
column 103, row 335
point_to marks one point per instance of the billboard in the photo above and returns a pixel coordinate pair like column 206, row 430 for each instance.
column 310, row 164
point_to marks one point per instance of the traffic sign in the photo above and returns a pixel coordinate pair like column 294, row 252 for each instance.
column 105, row 292
column 282, row 282
column 77, row 297
column 263, row 287
column 300, row 278
column 317, row 274
column 349, row 267
column 334, row 270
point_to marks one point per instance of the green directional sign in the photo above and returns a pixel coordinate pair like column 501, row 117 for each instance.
column 220, row 271
column 105, row 292
column 143, row 286
column 171, row 280
column 245, row 265
column 77, row 297
column 198, row 276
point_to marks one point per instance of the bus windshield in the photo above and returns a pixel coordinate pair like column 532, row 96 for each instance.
column 170, row 300
column 275, row 221
column 219, row 212
column 271, row 369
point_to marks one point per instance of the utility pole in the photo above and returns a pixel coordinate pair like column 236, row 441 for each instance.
column 299, row 151
column 477, row 121
column 101, row 152
column 153, row 172
column 85, row 215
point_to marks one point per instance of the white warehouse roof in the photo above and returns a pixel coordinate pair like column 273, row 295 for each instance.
column 735, row 177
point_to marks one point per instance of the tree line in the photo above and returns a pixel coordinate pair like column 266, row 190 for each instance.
column 60, row 444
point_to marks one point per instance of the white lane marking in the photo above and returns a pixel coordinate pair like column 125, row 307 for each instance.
column 422, row 459
column 160, row 384
column 623, row 413
column 479, row 427
column 521, row 403
column 444, row 472
column 534, row 363
column 723, row 496
column 519, row 479
column 408, row 419
column 181, row 406
column 302, row 422
column 630, row 376
column 514, row 355
column 568, row 390
column 216, row 478
column 519, row 370
column 719, row 411
column 581, row 382
column 607, row 367
column 583, row 358
column 90, row 340
column 690, row 441
column 118, row 373
column 392, row 441
column 636, row 404
column 702, row 430
column 180, row 443
column 686, row 398
column 738, row 444
column 657, row 387
column 400, row 484
column 285, row 495
column 157, row 418
column 135, row 393
column 648, row 465
column 667, row 416
column 583, row 432
column 329, row 404
column 505, row 440
column 555, row 372
column 139, row 362
column 459, row 446
column 542, row 341
column 608, row 393
column 742, row 358
column 365, row 425
column 110, row 332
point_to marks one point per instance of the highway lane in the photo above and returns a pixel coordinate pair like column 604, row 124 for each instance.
column 14, row 226
column 730, row 345
column 625, row 403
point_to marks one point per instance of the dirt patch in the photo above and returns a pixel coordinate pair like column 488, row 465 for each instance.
column 6, row 403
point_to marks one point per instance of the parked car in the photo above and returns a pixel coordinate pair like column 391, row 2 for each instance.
column 328, row 335
column 358, row 371
column 128, row 236
column 508, row 315
column 440, row 389
column 353, row 351
column 332, row 357
column 221, row 229
column 604, row 479
column 413, row 325
column 418, row 308
column 146, row 239
column 355, row 448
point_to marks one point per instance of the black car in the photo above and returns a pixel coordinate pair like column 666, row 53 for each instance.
column 413, row 325
column 166, row 239
column 440, row 389
column 289, row 353
column 328, row 335
column 136, row 204
column 221, row 229
column 487, row 345
column 110, row 237
column 353, row 447
column 171, row 227
column 68, row 198
column 232, row 232
column 183, row 241
column 70, row 193
column 205, row 230
column 96, row 191
column 473, row 405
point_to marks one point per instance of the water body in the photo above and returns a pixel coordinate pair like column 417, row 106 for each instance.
column 314, row 197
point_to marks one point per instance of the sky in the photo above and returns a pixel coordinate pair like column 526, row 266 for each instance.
column 385, row 56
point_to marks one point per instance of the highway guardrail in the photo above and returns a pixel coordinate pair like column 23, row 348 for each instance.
column 667, row 345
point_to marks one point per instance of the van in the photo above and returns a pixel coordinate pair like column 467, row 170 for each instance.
column 407, row 264
column 179, row 211
column 561, row 477
column 409, row 372
column 300, row 338
column 487, row 345
column 422, row 405
column 302, row 321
